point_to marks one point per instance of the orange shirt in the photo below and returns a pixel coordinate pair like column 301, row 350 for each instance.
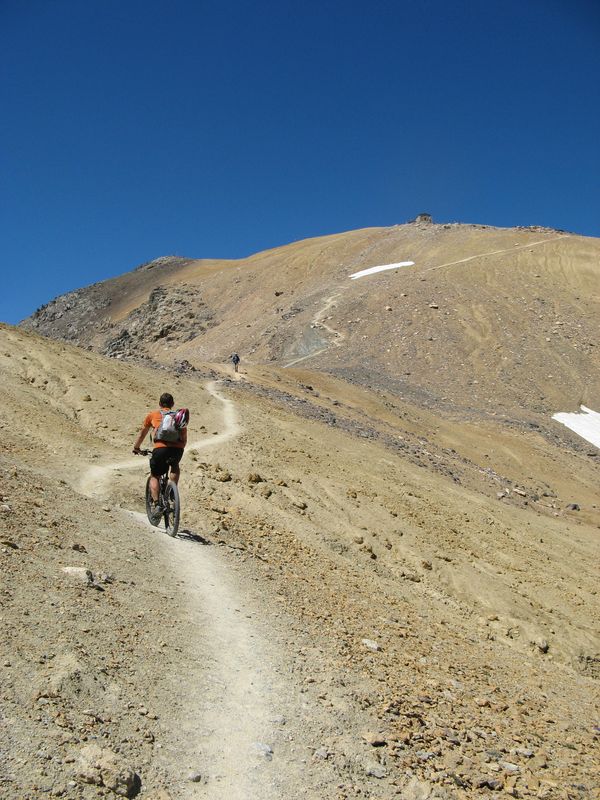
column 153, row 420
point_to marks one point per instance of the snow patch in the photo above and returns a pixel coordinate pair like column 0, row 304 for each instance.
column 373, row 270
column 585, row 424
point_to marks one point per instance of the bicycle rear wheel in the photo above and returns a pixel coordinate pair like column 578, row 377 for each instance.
column 171, row 512
column 152, row 518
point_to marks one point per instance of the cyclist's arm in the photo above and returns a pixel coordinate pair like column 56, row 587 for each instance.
column 141, row 436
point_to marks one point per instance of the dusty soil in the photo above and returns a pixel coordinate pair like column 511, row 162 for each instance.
column 378, row 590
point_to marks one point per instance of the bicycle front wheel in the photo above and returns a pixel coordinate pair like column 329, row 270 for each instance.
column 152, row 518
column 171, row 512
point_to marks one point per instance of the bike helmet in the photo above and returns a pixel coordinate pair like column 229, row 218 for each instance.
column 182, row 417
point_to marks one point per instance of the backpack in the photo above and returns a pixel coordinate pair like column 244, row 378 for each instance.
column 171, row 425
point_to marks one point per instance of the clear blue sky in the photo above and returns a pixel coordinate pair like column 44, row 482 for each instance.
column 131, row 129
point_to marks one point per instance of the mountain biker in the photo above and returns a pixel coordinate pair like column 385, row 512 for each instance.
column 235, row 360
column 163, row 452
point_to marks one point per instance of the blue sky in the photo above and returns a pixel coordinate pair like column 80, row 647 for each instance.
column 139, row 128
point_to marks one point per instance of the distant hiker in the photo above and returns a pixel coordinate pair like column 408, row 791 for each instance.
column 235, row 360
column 170, row 439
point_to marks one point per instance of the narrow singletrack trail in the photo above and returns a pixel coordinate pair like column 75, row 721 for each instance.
column 228, row 701
column 317, row 322
column 94, row 480
column 230, row 698
column 338, row 337
column 498, row 252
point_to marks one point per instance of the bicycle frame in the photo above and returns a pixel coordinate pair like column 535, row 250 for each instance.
column 168, row 501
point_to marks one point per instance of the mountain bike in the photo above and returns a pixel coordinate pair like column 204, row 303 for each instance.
column 168, row 500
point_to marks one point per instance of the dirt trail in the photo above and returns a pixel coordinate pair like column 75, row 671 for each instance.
column 229, row 705
column 231, row 700
column 338, row 337
column 317, row 321
column 93, row 481
column 498, row 252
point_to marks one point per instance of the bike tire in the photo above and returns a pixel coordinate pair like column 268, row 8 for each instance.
column 171, row 513
column 152, row 519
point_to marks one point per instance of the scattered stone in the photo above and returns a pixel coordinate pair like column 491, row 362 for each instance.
column 101, row 767
column 299, row 504
column 87, row 398
column 195, row 777
column 489, row 783
column 264, row 750
column 322, row 753
column 5, row 508
column 376, row 771
column 371, row 645
column 542, row 645
column 573, row 507
column 82, row 574
column 524, row 752
column 374, row 739
column 538, row 762
column 424, row 755
column 79, row 547
column 416, row 789
column 426, row 564
column 254, row 477
column 10, row 543
column 520, row 492
column 223, row 476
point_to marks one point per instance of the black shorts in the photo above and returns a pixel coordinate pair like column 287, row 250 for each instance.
column 162, row 457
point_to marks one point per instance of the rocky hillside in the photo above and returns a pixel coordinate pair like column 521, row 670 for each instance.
column 508, row 314
column 386, row 582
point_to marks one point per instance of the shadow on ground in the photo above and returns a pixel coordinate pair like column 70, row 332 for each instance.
column 190, row 536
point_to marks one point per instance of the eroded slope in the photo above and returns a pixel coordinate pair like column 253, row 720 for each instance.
column 442, row 639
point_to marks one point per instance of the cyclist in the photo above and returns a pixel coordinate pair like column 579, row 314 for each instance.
column 164, row 453
column 235, row 360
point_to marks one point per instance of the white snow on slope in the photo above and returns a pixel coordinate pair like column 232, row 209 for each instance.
column 585, row 424
column 373, row 270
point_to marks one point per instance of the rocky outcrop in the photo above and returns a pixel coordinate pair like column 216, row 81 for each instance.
column 174, row 313
column 71, row 316
column 83, row 315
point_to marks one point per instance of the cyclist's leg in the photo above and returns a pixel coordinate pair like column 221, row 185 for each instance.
column 174, row 459
column 158, row 467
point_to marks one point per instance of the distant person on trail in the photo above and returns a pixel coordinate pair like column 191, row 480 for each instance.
column 235, row 360
column 170, row 439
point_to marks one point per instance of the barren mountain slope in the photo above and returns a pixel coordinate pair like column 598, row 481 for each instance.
column 410, row 635
column 487, row 321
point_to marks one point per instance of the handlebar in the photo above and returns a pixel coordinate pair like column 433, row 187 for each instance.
column 142, row 452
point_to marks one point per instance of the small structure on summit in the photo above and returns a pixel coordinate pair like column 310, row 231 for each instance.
column 427, row 218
